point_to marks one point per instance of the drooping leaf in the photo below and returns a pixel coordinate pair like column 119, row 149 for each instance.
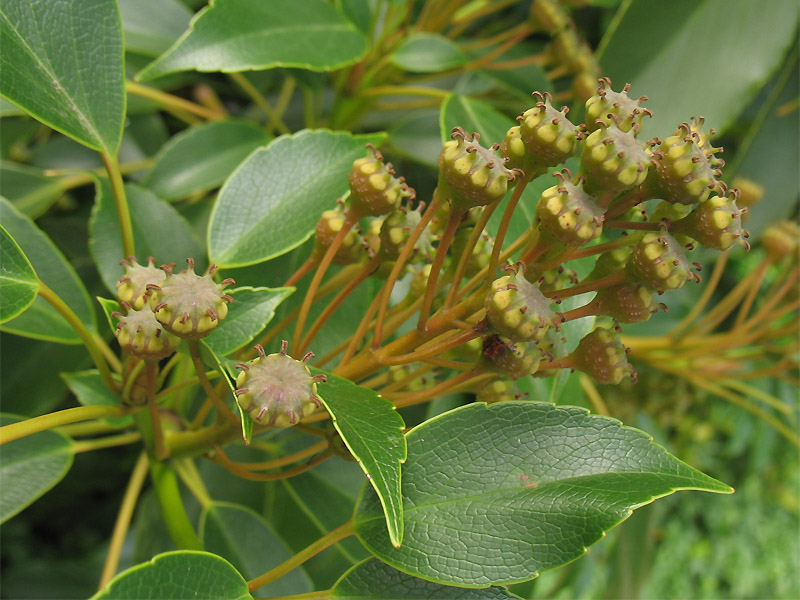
column 251, row 545
column 18, row 282
column 428, row 53
column 29, row 189
column 494, row 494
column 237, row 35
column 372, row 430
column 738, row 41
column 41, row 320
column 158, row 229
column 251, row 311
column 152, row 26
column 30, row 467
column 180, row 575
column 473, row 116
column 90, row 390
column 63, row 63
column 184, row 166
column 378, row 581
column 271, row 203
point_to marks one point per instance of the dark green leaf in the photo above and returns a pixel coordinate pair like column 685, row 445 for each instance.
column 41, row 320
column 372, row 431
column 181, row 575
column 428, row 53
column 473, row 116
column 29, row 189
column 63, row 63
column 251, row 545
column 152, row 26
column 184, row 166
column 30, row 467
column 18, row 282
column 251, row 311
column 271, row 203
column 360, row 13
column 158, row 229
column 238, row 35
column 110, row 306
column 378, row 581
column 90, row 390
column 417, row 137
column 494, row 494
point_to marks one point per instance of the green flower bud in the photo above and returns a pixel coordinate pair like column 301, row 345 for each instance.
column 374, row 190
column 132, row 287
column 141, row 335
column 716, row 223
column 613, row 159
column 658, row 262
column 568, row 213
column 607, row 102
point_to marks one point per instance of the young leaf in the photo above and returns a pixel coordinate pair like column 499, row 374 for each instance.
column 42, row 321
column 62, row 62
column 30, row 467
column 251, row 545
column 152, row 26
column 372, row 431
column 157, row 227
column 90, row 390
column 180, row 575
column 521, row 487
column 378, row 581
column 251, row 311
column 184, row 166
column 18, row 282
column 237, row 35
column 428, row 53
column 473, row 115
column 272, row 201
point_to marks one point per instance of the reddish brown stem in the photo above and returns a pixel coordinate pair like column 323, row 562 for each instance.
column 311, row 261
column 438, row 261
column 589, row 286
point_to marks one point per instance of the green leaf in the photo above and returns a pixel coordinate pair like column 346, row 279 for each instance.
column 272, row 201
column 698, row 57
column 63, row 63
column 251, row 311
column 29, row 189
column 240, row 35
column 158, row 229
column 90, row 390
column 473, row 116
column 428, row 53
column 30, row 467
column 184, row 166
column 180, row 575
column 378, row 581
column 42, row 321
column 110, row 306
column 19, row 285
column 251, row 545
column 416, row 136
column 372, row 430
column 494, row 494
column 152, row 26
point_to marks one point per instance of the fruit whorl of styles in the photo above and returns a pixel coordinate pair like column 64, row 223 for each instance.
column 686, row 173
column 607, row 102
column 328, row 227
column 141, row 335
column 276, row 389
column 601, row 355
column 515, row 359
column 613, row 159
column 658, row 262
column 471, row 175
column 627, row 302
column 190, row 305
column 132, row 287
column 716, row 223
column 517, row 309
column 544, row 138
column 568, row 213
column 374, row 190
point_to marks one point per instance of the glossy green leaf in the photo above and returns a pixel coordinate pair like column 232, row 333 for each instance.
column 698, row 57
column 428, row 53
column 18, row 282
column 158, row 229
column 271, row 202
column 378, row 581
column 473, row 116
column 29, row 189
column 251, row 545
column 417, row 138
column 184, row 166
column 152, row 26
column 251, row 311
column 42, row 321
column 90, row 390
column 30, row 467
column 372, row 430
column 239, row 35
column 494, row 494
column 110, row 306
column 63, row 63
column 181, row 575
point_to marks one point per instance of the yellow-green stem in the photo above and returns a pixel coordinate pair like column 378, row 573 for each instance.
column 172, row 102
column 121, row 202
column 110, row 441
column 200, row 368
column 15, row 431
column 275, row 120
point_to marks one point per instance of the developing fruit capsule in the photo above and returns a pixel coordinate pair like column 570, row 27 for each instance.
column 568, row 213
column 613, row 159
column 141, row 335
column 276, row 389
column 607, row 102
column 374, row 190
column 189, row 305
column 602, row 355
column 658, row 262
column 627, row 302
column 329, row 225
column 715, row 223
column 132, row 287
column 515, row 359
